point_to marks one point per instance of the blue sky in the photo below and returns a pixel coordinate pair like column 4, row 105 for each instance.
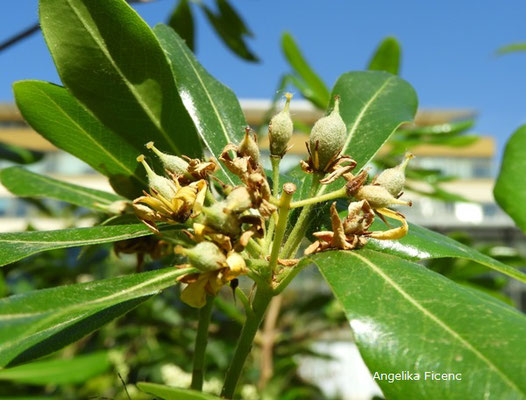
column 448, row 49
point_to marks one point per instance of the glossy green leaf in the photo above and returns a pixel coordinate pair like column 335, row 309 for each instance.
column 386, row 57
column 213, row 106
column 173, row 393
column 407, row 318
column 373, row 105
column 111, row 61
column 40, row 322
column 182, row 21
column 18, row 245
column 511, row 48
column 231, row 28
column 320, row 93
column 423, row 244
column 19, row 154
column 59, row 371
column 24, row 183
column 510, row 190
column 54, row 113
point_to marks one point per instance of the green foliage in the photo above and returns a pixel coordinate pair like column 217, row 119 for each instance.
column 125, row 85
column 213, row 107
column 18, row 154
column 430, row 324
column 509, row 190
column 173, row 393
column 55, row 114
column 131, row 88
column 24, row 183
column 423, row 244
column 511, row 48
column 308, row 82
column 182, row 21
column 373, row 106
column 386, row 57
column 15, row 246
column 59, row 371
column 231, row 28
column 40, row 322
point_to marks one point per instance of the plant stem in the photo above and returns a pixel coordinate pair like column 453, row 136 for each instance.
column 244, row 345
column 275, row 174
column 268, row 339
column 283, row 211
column 298, row 232
column 200, row 344
column 318, row 199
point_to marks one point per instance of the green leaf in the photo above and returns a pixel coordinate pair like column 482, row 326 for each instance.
column 111, row 61
column 19, row 154
column 373, row 105
column 386, row 57
column 320, row 93
column 59, row 371
column 213, row 106
column 182, row 21
column 54, row 113
column 24, row 183
column 15, row 246
column 172, row 393
column 230, row 28
column 40, row 322
column 423, row 244
column 510, row 191
column 511, row 48
column 407, row 318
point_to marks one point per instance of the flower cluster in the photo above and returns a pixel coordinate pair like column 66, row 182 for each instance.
column 227, row 226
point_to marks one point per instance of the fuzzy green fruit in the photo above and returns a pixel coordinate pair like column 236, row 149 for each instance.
column 205, row 256
column 393, row 179
column 172, row 163
column 327, row 138
column 280, row 130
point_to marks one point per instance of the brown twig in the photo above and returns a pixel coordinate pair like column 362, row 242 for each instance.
column 268, row 336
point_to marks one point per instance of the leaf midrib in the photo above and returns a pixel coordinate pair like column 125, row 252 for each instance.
column 212, row 103
column 437, row 320
column 128, row 84
column 102, row 301
column 97, row 144
column 358, row 120
column 65, row 185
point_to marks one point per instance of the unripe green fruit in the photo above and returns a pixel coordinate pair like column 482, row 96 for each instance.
column 280, row 130
column 172, row 163
column 327, row 138
column 159, row 183
column 238, row 200
column 393, row 179
column 205, row 256
column 249, row 147
column 376, row 196
column 224, row 222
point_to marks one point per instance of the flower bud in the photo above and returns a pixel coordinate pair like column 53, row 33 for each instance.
column 160, row 184
column 238, row 200
column 217, row 218
column 378, row 197
column 205, row 256
column 280, row 130
column 327, row 138
column 249, row 147
column 393, row 179
column 172, row 163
